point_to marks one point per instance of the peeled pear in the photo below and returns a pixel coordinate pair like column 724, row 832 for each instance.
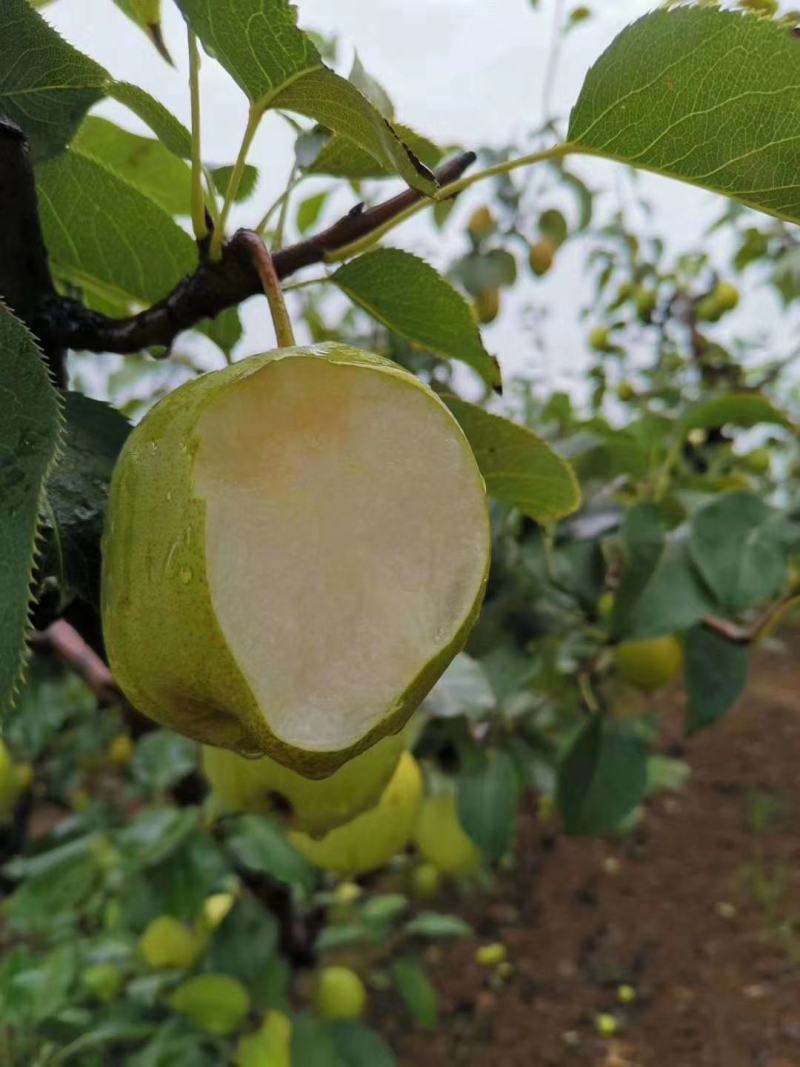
column 371, row 839
column 315, row 806
column 295, row 548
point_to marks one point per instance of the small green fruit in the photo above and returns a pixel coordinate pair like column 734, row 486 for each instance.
column 487, row 306
column 645, row 300
column 491, row 955
column 216, row 909
column 215, row 1003
column 441, row 839
column 121, row 750
column 726, row 296
column 605, row 605
column 758, row 461
column 295, row 549
column 371, row 839
column 541, row 256
column 606, row 1025
column 14, row 780
column 314, row 806
column 626, row 994
column 340, row 994
column 167, row 942
column 651, row 664
column 482, row 223
column 600, row 339
column 426, row 881
column 625, row 392
column 103, row 981
column 271, row 1046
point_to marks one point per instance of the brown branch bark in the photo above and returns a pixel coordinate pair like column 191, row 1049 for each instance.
column 216, row 286
column 26, row 284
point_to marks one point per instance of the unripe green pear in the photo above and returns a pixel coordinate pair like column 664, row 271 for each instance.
column 649, row 664
column 340, row 994
column 295, row 548
column 600, row 338
column 312, row 805
column 215, row 1003
column 103, row 981
column 487, row 306
column 167, row 942
column 541, row 256
column 271, row 1046
column 371, row 839
column 645, row 300
column 482, row 223
column 441, row 838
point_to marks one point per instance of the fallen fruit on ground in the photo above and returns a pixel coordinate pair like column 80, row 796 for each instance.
column 426, row 881
column 371, row 839
column 650, row 664
column 340, row 994
column 314, row 806
column 167, row 942
column 215, row 1003
column 441, row 838
column 295, row 549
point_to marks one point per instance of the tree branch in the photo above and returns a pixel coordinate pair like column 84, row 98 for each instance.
column 26, row 284
column 216, row 286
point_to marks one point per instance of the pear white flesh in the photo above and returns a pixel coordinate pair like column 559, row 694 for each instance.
column 324, row 531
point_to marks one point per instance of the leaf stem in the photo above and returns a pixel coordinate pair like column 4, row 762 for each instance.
column 265, row 268
column 253, row 119
column 199, row 224
column 446, row 193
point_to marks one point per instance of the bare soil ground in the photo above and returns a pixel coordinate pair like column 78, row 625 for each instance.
column 698, row 910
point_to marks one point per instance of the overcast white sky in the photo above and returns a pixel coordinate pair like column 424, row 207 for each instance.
column 461, row 71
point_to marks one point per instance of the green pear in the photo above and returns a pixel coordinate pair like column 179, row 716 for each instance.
column 441, row 838
column 371, row 839
column 215, row 1003
column 295, row 549
column 312, row 805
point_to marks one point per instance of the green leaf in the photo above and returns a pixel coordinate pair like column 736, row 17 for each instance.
column 416, row 989
column 739, row 546
column 463, row 689
column 278, row 66
column 155, row 834
column 141, row 161
column 706, row 96
column 370, row 88
column 30, row 430
column 247, row 185
column 715, row 675
column 674, row 599
column 77, row 491
column 261, row 845
column 339, row 157
column 169, row 130
column 433, row 925
column 338, row 106
column 488, row 797
column 46, row 85
column 519, row 468
column 602, row 777
column 408, row 296
column 224, row 330
column 643, row 537
column 737, row 409
column 359, row 1046
column 147, row 16
column 256, row 41
column 162, row 758
column 313, row 1044
column 309, row 211
column 104, row 234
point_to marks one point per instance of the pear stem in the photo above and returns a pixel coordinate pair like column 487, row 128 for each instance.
column 265, row 268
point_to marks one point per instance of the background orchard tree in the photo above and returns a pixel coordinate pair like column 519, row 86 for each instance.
column 643, row 530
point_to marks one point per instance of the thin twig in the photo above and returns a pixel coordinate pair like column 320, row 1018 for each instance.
column 216, row 286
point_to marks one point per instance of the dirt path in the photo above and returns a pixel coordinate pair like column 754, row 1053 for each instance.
column 699, row 910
